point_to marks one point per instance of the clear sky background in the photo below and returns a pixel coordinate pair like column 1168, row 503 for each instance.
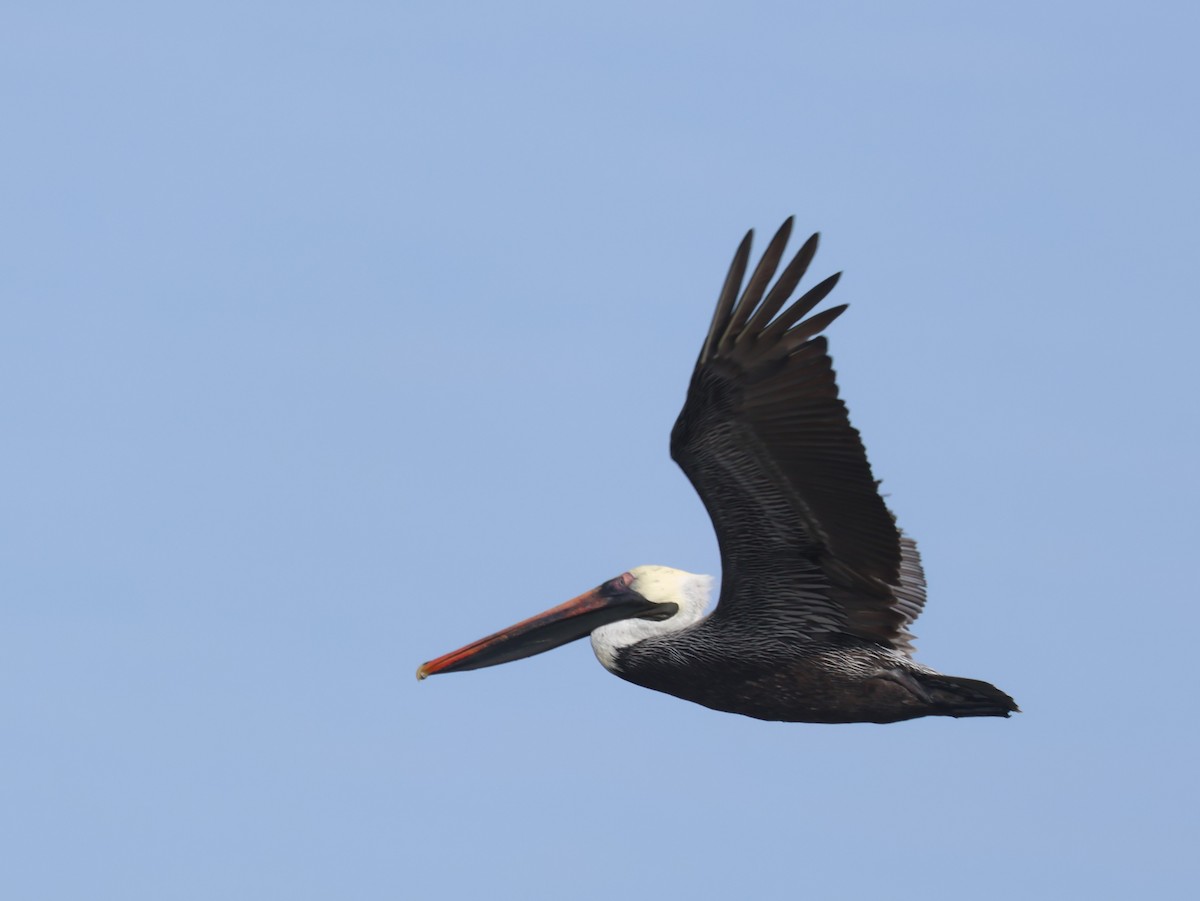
column 334, row 336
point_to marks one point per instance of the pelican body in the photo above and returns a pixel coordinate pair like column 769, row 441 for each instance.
column 819, row 585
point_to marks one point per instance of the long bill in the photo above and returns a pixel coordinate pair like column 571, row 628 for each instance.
column 612, row 601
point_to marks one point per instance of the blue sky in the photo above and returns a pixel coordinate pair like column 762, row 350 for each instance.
column 334, row 336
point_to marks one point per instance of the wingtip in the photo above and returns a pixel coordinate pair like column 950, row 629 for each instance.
column 784, row 231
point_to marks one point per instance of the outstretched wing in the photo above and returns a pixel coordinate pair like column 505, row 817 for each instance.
column 806, row 540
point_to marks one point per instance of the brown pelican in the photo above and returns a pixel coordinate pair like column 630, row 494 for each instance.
column 819, row 585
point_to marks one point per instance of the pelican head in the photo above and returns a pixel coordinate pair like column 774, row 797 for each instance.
column 688, row 592
column 639, row 604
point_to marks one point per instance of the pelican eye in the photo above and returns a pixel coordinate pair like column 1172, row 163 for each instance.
column 621, row 582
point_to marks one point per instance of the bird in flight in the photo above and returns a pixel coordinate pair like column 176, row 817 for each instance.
column 819, row 585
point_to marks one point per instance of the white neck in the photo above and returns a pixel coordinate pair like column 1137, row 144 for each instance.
column 662, row 585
